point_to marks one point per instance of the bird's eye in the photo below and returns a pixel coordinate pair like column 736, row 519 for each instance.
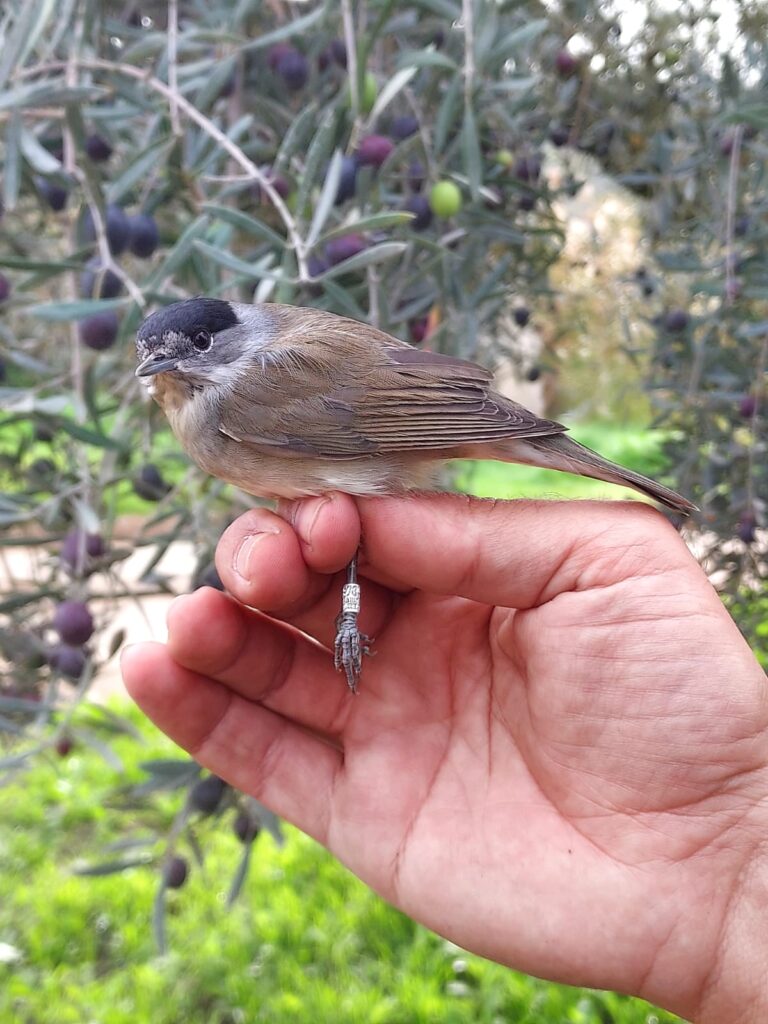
column 202, row 341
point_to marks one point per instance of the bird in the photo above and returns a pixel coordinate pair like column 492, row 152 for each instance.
column 289, row 402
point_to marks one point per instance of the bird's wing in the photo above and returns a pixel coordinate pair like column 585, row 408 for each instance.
column 377, row 399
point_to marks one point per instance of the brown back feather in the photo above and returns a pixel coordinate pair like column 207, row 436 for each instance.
column 340, row 389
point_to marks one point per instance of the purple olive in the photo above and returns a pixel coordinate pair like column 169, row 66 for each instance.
column 55, row 195
column 748, row 406
column 741, row 225
column 277, row 52
column 78, row 548
column 69, row 661
column 97, row 148
column 280, row 184
column 419, row 206
column 293, row 68
column 118, row 228
column 676, row 320
column 316, row 265
column 175, row 872
column 73, row 622
column 98, row 283
column 418, row 328
column 5, row 288
column 99, row 331
column 338, row 50
column 343, row 248
column 565, row 63
column 521, row 315
column 64, row 745
column 416, row 175
column 205, row 796
column 746, row 527
column 528, row 168
column 374, row 150
column 149, row 483
column 559, row 136
column 347, row 179
column 246, row 827
column 144, row 235
column 403, row 127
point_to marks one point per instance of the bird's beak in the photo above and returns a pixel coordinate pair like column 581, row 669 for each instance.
column 156, row 363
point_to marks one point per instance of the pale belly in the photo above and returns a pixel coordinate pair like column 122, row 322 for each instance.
column 292, row 476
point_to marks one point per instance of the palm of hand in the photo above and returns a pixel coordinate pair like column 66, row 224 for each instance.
column 514, row 771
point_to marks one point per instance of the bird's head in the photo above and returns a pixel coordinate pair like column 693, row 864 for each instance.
column 201, row 341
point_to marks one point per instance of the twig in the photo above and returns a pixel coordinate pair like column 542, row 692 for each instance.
column 354, row 81
column 173, row 75
column 467, row 16
column 730, row 210
column 215, row 133
column 70, row 165
column 374, row 313
column 762, row 362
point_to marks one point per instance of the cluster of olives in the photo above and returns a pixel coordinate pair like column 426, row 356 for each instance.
column 210, row 796
column 137, row 234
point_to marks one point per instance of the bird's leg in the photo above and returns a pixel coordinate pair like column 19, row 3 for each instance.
column 351, row 644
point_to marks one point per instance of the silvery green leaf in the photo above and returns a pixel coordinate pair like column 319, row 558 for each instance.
column 295, row 137
column 426, row 59
column 518, row 37
column 137, row 171
column 446, row 115
column 395, row 84
column 52, row 93
column 327, row 198
column 376, row 222
column 76, row 310
column 470, row 145
column 24, row 400
column 317, row 155
column 244, row 222
column 31, row 18
column 291, row 28
column 113, row 867
column 376, row 254
column 12, row 163
column 36, row 155
column 240, row 875
column 226, row 259
column 180, row 251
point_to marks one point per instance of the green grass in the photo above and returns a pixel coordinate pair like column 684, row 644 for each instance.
column 635, row 447
column 306, row 941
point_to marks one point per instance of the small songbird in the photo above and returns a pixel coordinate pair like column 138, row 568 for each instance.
column 287, row 402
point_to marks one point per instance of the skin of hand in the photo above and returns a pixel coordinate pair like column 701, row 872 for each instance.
column 558, row 755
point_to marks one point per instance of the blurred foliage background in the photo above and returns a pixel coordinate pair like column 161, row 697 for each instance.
column 572, row 192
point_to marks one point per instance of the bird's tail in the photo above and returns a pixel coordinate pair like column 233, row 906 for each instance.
column 558, row 451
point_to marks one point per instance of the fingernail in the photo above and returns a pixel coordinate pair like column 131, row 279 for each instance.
column 305, row 517
column 244, row 554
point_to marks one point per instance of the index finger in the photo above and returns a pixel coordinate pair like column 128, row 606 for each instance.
column 515, row 554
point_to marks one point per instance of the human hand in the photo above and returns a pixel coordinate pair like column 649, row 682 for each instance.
column 558, row 755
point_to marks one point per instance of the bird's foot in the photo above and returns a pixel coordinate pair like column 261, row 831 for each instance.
column 350, row 644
